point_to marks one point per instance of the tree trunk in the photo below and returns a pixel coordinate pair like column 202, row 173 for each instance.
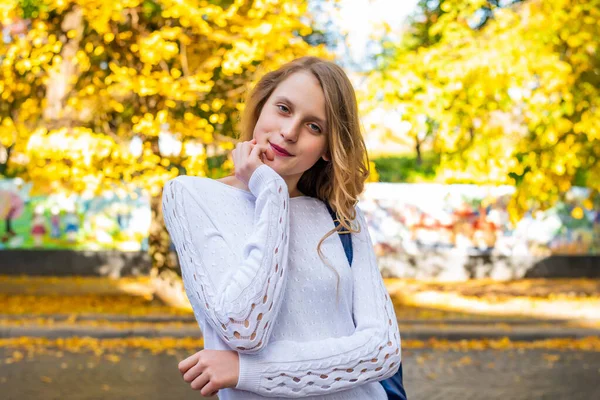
column 159, row 241
column 419, row 155
column 166, row 274
column 9, row 230
column 59, row 84
column 6, row 159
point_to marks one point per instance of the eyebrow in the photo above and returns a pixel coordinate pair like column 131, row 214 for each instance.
column 286, row 100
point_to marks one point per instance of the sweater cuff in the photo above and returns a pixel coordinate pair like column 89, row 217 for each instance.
column 249, row 376
column 261, row 177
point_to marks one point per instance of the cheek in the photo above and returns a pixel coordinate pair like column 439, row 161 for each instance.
column 258, row 133
column 266, row 123
column 315, row 148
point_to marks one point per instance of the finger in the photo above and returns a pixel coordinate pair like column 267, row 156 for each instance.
column 256, row 152
column 200, row 382
column 188, row 363
column 270, row 153
column 247, row 148
column 243, row 149
column 192, row 373
column 236, row 153
column 208, row 388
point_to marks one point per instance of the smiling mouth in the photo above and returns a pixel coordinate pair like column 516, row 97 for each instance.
column 279, row 151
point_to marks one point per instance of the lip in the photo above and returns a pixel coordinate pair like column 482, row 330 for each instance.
column 280, row 151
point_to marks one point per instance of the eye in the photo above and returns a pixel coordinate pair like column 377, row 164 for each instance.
column 315, row 128
column 283, row 108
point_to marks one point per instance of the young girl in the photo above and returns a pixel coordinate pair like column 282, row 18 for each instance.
column 282, row 312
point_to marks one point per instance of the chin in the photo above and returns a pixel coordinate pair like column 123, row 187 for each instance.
column 275, row 166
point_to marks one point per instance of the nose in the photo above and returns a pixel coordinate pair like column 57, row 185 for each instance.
column 290, row 131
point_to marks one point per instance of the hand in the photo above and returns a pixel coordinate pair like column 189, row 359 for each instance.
column 211, row 370
column 248, row 156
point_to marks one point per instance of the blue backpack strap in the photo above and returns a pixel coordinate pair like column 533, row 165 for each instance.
column 344, row 235
column 393, row 386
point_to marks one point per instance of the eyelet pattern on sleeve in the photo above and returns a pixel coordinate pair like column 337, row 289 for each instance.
column 371, row 353
column 241, row 310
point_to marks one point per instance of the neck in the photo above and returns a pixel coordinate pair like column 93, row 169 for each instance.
column 292, row 184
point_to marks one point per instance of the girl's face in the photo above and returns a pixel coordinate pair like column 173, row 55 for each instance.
column 293, row 120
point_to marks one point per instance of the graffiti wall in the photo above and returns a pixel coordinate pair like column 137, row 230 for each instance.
column 404, row 219
column 412, row 218
column 115, row 220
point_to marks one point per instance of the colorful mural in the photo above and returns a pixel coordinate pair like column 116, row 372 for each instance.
column 115, row 220
column 404, row 219
column 412, row 218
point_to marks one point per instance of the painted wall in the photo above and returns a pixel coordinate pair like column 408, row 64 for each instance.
column 412, row 218
column 404, row 219
column 115, row 220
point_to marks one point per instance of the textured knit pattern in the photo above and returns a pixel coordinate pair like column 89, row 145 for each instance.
column 257, row 285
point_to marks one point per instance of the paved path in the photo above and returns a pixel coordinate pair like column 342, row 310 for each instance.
column 161, row 325
column 430, row 375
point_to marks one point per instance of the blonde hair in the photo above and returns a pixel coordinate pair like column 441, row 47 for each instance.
column 341, row 180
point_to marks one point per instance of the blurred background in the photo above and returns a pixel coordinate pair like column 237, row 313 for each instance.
column 482, row 121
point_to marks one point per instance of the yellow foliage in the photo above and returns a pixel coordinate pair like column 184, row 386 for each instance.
column 373, row 176
column 71, row 104
column 83, row 304
column 99, row 347
column 511, row 103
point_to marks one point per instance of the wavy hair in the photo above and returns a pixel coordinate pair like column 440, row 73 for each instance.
column 341, row 180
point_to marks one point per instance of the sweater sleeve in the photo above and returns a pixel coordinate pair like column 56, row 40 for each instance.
column 371, row 353
column 239, row 297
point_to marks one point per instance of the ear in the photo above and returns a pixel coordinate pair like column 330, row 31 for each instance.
column 325, row 157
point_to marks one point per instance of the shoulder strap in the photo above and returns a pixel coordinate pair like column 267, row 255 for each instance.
column 393, row 386
column 343, row 234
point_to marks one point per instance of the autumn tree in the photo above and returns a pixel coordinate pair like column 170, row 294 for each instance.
column 81, row 79
column 513, row 92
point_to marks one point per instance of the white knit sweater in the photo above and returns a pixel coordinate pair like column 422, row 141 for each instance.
column 257, row 285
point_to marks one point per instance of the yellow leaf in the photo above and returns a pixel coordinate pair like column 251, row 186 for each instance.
column 577, row 213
